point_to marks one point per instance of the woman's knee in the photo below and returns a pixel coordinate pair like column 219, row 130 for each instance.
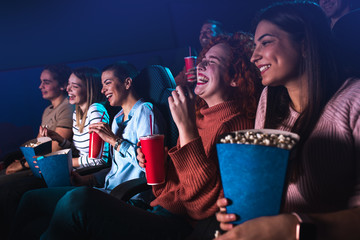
column 33, row 196
column 77, row 198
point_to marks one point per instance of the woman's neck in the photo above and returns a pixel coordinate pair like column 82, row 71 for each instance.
column 56, row 101
column 128, row 105
column 217, row 99
column 298, row 92
column 83, row 107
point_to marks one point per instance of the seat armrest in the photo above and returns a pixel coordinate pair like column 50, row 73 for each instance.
column 128, row 189
column 91, row 170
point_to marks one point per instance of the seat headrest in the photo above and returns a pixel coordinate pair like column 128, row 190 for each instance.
column 152, row 81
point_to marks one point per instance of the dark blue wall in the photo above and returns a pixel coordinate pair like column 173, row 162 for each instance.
column 95, row 33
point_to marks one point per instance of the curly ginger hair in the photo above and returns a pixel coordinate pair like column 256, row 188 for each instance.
column 240, row 68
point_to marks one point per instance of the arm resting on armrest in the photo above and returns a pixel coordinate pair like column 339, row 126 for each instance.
column 128, row 189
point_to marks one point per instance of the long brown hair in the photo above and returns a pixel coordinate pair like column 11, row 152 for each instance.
column 92, row 79
column 306, row 23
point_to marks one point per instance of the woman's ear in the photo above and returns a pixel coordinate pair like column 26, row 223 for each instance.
column 234, row 83
column 64, row 87
column 128, row 83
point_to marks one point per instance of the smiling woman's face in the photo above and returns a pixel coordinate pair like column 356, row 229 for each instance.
column 113, row 89
column 276, row 54
column 211, row 71
column 77, row 90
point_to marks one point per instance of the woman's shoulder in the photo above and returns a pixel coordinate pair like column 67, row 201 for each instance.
column 353, row 83
column 64, row 106
column 345, row 102
column 97, row 110
column 97, row 106
column 349, row 91
column 144, row 107
column 264, row 94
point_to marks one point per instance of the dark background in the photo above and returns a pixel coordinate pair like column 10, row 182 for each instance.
column 38, row 32
column 34, row 33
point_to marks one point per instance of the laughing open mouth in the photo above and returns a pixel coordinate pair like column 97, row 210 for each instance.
column 71, row 97
column 202, row 79
column 264, row 68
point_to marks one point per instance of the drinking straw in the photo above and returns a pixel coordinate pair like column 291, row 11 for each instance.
column 102, row 116
column 151, row 131
column 189, row 50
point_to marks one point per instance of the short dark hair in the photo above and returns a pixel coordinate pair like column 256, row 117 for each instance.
column 122, row 70
column 60, row 72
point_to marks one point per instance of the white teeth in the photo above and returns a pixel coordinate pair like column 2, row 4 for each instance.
column 263, row 68
column 202, row 80
column 108, row 96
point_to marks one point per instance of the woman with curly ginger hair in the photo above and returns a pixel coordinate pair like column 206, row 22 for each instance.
column 228, row 89
column 239, row 68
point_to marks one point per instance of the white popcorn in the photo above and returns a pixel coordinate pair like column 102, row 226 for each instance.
column 259, row 138
column 33, row 144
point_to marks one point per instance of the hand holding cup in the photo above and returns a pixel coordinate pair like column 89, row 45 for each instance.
column 190, row 66
column 140, row 156
column 99, row 132
column 152, row 147
column 191, row 75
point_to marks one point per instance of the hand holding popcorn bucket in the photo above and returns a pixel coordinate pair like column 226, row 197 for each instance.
column 253, row 166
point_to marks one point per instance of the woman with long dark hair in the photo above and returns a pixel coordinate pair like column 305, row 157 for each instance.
column 306, row 93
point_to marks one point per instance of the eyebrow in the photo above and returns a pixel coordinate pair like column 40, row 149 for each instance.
column 217, row 58
column 265, row 35
column 106, row 80
column 76, row 84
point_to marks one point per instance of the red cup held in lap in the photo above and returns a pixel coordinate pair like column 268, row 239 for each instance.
column 96, row 145
column 153, row 148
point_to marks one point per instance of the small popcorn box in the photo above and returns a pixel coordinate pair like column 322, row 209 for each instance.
column 56, row 168
column 35, row 147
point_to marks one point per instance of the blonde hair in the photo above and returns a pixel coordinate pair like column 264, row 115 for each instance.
column 92, row 79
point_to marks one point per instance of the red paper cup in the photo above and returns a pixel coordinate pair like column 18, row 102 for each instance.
column 190, row 63
column 153, row 148
column 96, row 145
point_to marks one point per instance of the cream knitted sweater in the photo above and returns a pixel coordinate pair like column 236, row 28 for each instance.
column 331, row 155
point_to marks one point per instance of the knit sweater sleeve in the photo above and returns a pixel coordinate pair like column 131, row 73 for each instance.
column 198, row 174
column 354, row 123
column 199, row 178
